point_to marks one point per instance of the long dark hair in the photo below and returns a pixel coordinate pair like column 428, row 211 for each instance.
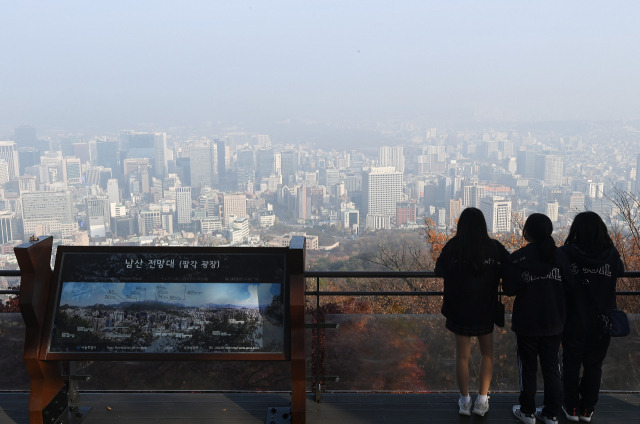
column 472, row 243
column 538, row 229
column 589, row 233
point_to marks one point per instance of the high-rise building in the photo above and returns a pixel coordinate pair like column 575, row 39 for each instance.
column 28, row 183
column 245, row 169
column 46, row 212
column 149, row 221
column 552, row 211
column 406, row 213
column 98, row 175
column 28, row 156
column 9, row 153
column 82, row 151
column 234, row 206
column 98, row 215
column 8, row 227
column 382, row 187
column 577, row 202
column 392, row 156
column 202, row 165
column 527, row 163
column 160, row 162
column 4, row 172
column 455, row 209
column 265, row 164
column 497, row 212
column 113, row 191
column 183, row 205
column 107, row 156
column 472, row 195
column 445, row 189
column 222, row 155
column 289, row 166
column 303, row 203
column 71, row 171
column 552, row 169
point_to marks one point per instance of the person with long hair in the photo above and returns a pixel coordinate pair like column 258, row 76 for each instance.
column 596, row 265
column 471, row 264
column 538, row 275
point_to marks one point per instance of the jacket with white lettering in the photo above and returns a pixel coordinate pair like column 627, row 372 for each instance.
column 540, row 289
column 595, row 274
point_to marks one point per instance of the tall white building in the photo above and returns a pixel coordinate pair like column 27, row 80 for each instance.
column 472, row 195
column 552, row 211
column 46, row 212
column 71, row 171
column 234, row 206
column 9, row 153
column 392, row 156
column 382, row 187
column 113, row 191
column 4, row 171
column 497, row 212
column 551, row 169
column 183, row 205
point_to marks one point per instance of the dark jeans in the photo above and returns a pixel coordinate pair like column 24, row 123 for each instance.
column 547, row 348
column 589, row 352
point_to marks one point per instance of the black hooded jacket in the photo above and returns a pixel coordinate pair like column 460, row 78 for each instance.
column 470, row 297
column 595, row 274
column 540, row 289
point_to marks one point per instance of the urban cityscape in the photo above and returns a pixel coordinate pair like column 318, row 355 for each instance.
column 154, row 188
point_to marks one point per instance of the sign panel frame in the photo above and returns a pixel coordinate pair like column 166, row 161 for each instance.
column 168, row 303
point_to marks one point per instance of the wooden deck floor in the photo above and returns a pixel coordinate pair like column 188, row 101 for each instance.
column 335, row 408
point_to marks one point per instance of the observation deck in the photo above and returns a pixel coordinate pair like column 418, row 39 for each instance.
column 363, row 366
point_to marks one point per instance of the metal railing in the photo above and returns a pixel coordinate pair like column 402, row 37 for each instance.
column 315, row 294
column 315, row 297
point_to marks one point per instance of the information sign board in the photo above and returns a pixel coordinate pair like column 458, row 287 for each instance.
column 165, row 301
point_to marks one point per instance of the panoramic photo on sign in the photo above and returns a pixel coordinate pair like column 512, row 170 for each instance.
column 146, row 303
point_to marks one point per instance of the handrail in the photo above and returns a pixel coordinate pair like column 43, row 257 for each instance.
column 402, row 274
column 353, row 274
column 10, row 273
column 318, row 376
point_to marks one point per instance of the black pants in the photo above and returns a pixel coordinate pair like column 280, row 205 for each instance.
column 589, row 352
column 547, row 348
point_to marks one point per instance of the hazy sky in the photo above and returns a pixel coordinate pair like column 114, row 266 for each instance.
column 119, row 64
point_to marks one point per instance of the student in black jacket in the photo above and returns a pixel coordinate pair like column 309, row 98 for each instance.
column 538, row 275
column 596, row 265
column 471, row 264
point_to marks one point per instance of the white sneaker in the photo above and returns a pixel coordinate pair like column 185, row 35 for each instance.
column 544, row 418
column 481, row 408
column 570, row 413
column 586, row 416
column 465, row 407
column 526, row 419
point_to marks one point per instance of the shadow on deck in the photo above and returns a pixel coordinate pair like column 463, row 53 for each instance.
column 335, row 408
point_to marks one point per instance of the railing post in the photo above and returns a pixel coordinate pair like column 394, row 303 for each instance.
column 296, row 304
column 34, row 259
